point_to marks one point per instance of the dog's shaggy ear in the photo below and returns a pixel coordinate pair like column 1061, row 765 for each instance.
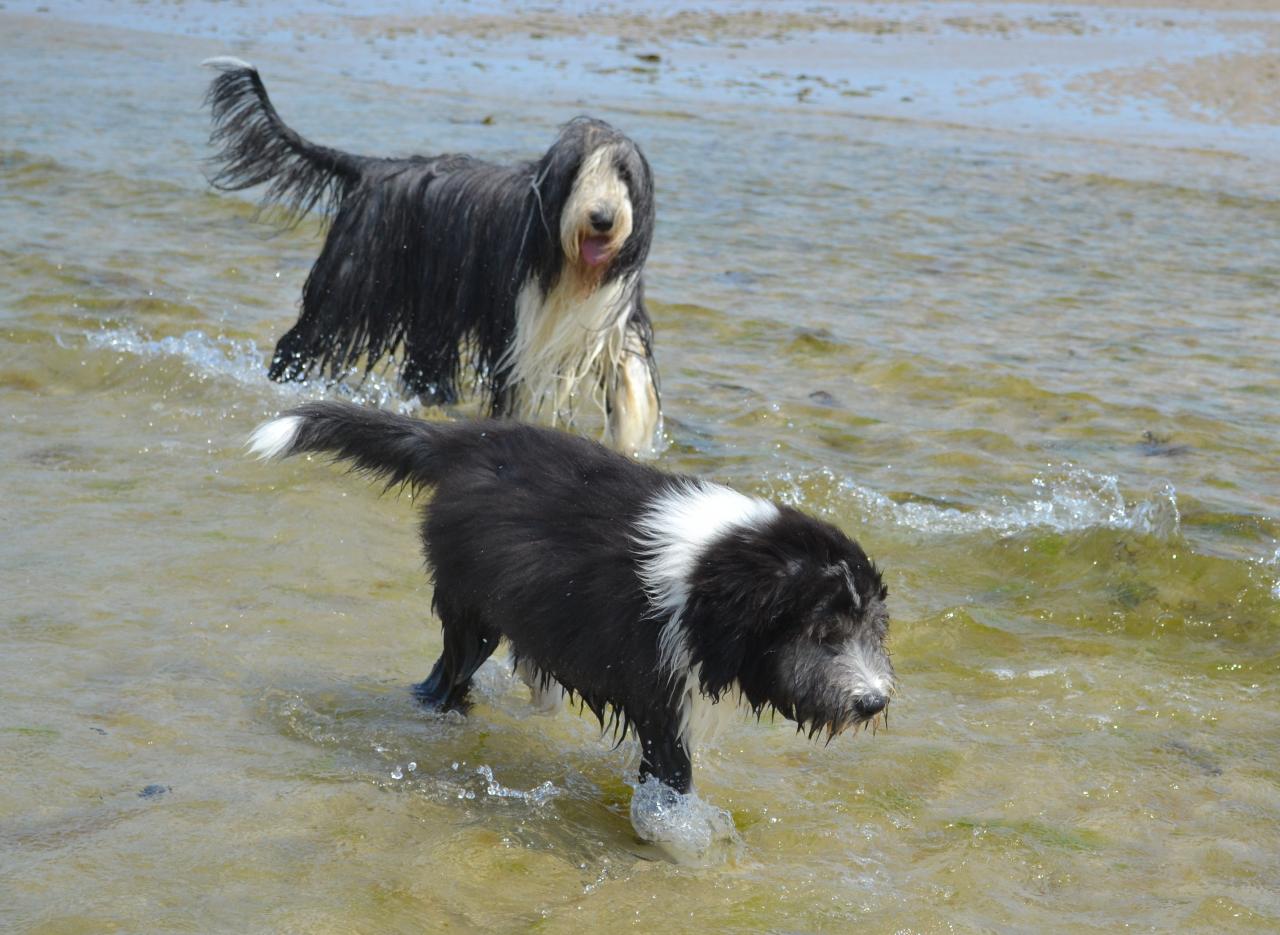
column 718, row 642
column 743, row 591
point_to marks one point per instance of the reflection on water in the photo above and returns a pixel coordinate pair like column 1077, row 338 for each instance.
column 1033, row 373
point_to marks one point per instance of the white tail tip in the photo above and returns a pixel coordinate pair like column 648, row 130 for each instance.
column 274, row 439
column 226, row 63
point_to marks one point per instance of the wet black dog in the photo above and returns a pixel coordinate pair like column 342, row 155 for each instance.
column 529, row 277
column 645, row 594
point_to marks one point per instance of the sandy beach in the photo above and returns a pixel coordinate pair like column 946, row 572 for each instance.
column 1174, row 74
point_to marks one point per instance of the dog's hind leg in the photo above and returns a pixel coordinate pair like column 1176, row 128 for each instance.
column 432, row 357
column 467, row 644
column 544, row 693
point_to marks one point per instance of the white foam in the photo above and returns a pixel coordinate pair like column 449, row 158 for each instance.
column 220, row 358
column 1067, row 499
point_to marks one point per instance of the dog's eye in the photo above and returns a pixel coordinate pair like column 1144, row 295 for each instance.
column 832, row 636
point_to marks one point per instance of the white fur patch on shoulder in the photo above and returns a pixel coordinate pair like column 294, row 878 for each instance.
column 673, row 533
column 274, row 439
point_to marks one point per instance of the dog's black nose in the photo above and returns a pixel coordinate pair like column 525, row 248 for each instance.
column 602, row 221
column 872, row 704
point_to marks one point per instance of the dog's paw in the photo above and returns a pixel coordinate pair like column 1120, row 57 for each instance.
column 685, row 828
column 431, row 693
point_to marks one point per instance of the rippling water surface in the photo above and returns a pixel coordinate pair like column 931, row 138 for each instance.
column 1034, row 374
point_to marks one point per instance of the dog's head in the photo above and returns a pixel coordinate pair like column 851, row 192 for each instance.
column 603, row 189
column 790, row 610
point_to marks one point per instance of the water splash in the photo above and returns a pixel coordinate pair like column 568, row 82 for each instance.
column 539, row 795
column 683, row 825
column 1270, row 569
column 1068, row 499
column 223, row 358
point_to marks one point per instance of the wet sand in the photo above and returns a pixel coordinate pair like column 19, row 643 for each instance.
column 1173, row 74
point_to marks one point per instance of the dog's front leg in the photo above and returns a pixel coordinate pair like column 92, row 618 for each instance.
column 634, row 411
column 664, row 756
column 468, row 642
column 659, row 810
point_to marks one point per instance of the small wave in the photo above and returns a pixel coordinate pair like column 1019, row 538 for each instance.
column 219, row 357
column 1069, row 499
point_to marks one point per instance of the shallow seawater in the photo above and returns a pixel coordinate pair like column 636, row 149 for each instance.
column 1035, row 375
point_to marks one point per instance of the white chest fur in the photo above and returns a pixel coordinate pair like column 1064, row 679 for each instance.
column 566, row 342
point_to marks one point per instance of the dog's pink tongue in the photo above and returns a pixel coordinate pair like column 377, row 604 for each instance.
column 595, row 250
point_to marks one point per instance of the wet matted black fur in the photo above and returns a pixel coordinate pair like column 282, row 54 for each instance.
column 647, row 595
column 524, row 281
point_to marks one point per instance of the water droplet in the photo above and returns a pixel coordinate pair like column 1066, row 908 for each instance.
column 397, row 773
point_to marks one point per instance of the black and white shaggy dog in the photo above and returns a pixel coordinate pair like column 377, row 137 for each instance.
column 527, row 277
column 647, row 595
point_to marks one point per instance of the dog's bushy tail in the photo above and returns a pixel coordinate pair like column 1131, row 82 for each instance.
column 255, row 146
column 398, row 449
